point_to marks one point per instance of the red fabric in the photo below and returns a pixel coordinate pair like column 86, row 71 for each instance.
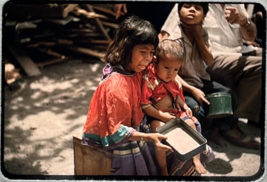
column 155, row 89
column 116, row 101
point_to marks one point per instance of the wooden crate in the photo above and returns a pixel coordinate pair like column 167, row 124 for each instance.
column 90, row 160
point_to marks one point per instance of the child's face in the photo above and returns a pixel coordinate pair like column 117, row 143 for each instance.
column 141, row 56
column 191, row 13
column 167, row 68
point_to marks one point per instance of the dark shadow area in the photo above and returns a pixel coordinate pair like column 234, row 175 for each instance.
column 219, row 166
column 78, row 80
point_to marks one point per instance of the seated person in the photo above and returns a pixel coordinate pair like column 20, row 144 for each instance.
column 162, row 95
column 115, row 118
column 235, row 66
column 196, row 81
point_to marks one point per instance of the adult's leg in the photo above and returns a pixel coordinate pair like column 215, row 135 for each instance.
column 213, row 128
column 243, row 74
column 227, row 127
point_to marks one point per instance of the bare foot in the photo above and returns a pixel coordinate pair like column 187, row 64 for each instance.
column 199, row 167
column 215, row 137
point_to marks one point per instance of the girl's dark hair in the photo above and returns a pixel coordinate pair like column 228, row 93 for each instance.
column 132, row 31
column 205, row 6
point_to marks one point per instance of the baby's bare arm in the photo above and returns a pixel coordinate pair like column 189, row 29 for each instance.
column 180, row 104
column 162, row 116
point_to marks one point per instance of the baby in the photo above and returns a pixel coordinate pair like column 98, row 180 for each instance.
column 162, row 95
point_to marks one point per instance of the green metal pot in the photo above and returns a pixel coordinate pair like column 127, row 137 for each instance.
column 220, row 105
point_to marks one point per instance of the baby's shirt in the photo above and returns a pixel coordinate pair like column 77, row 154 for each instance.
column 154, row 89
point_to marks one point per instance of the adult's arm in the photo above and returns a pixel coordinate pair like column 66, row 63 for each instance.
column 239, row 15
column 120, row 9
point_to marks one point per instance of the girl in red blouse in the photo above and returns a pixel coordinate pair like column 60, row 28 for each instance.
column 115, row 120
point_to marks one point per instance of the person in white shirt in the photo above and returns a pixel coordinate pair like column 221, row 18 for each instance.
column 235, row 65
column 240, row 73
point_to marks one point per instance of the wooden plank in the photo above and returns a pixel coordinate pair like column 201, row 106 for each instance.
column 26, row 62
column 79, row 11
column 105, row 10
column 50, row 44
column 61, row 21
column 43, row 43
column 89, row 160
column 53, row 61
column 92, row 41
column 100, row 24
column 51, row 53
column 113, row 25
column 85, row 51
column 69, row 8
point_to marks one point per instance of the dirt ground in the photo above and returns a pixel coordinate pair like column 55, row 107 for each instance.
column 42, row 115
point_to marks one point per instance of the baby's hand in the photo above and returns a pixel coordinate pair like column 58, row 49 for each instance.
column 178, row 105
column 166, row 116
column 188, row 111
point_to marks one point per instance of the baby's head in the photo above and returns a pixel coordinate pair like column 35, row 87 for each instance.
column 170, row 55
column 132, row 32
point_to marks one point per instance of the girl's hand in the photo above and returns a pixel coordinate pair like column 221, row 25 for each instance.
column 156, row 138
column 200, row 96
column 165, row 116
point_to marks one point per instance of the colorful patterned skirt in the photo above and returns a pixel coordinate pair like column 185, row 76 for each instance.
column 138, row 158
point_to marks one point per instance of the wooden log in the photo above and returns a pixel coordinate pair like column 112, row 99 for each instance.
column 26, row 62
column 68, row 9
column 89, row 160
column 44, row 34
column 92, row 41
column 79, row 11
column 63, row 41
column 85, row 51
column 50, row 44
column 61, row 21
column 26, row 25
column 113, row 25
column 52, row 61
column 78, row 30
column 105, row 10
column 100, row 24
column 40, row 44
column 51, row 53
